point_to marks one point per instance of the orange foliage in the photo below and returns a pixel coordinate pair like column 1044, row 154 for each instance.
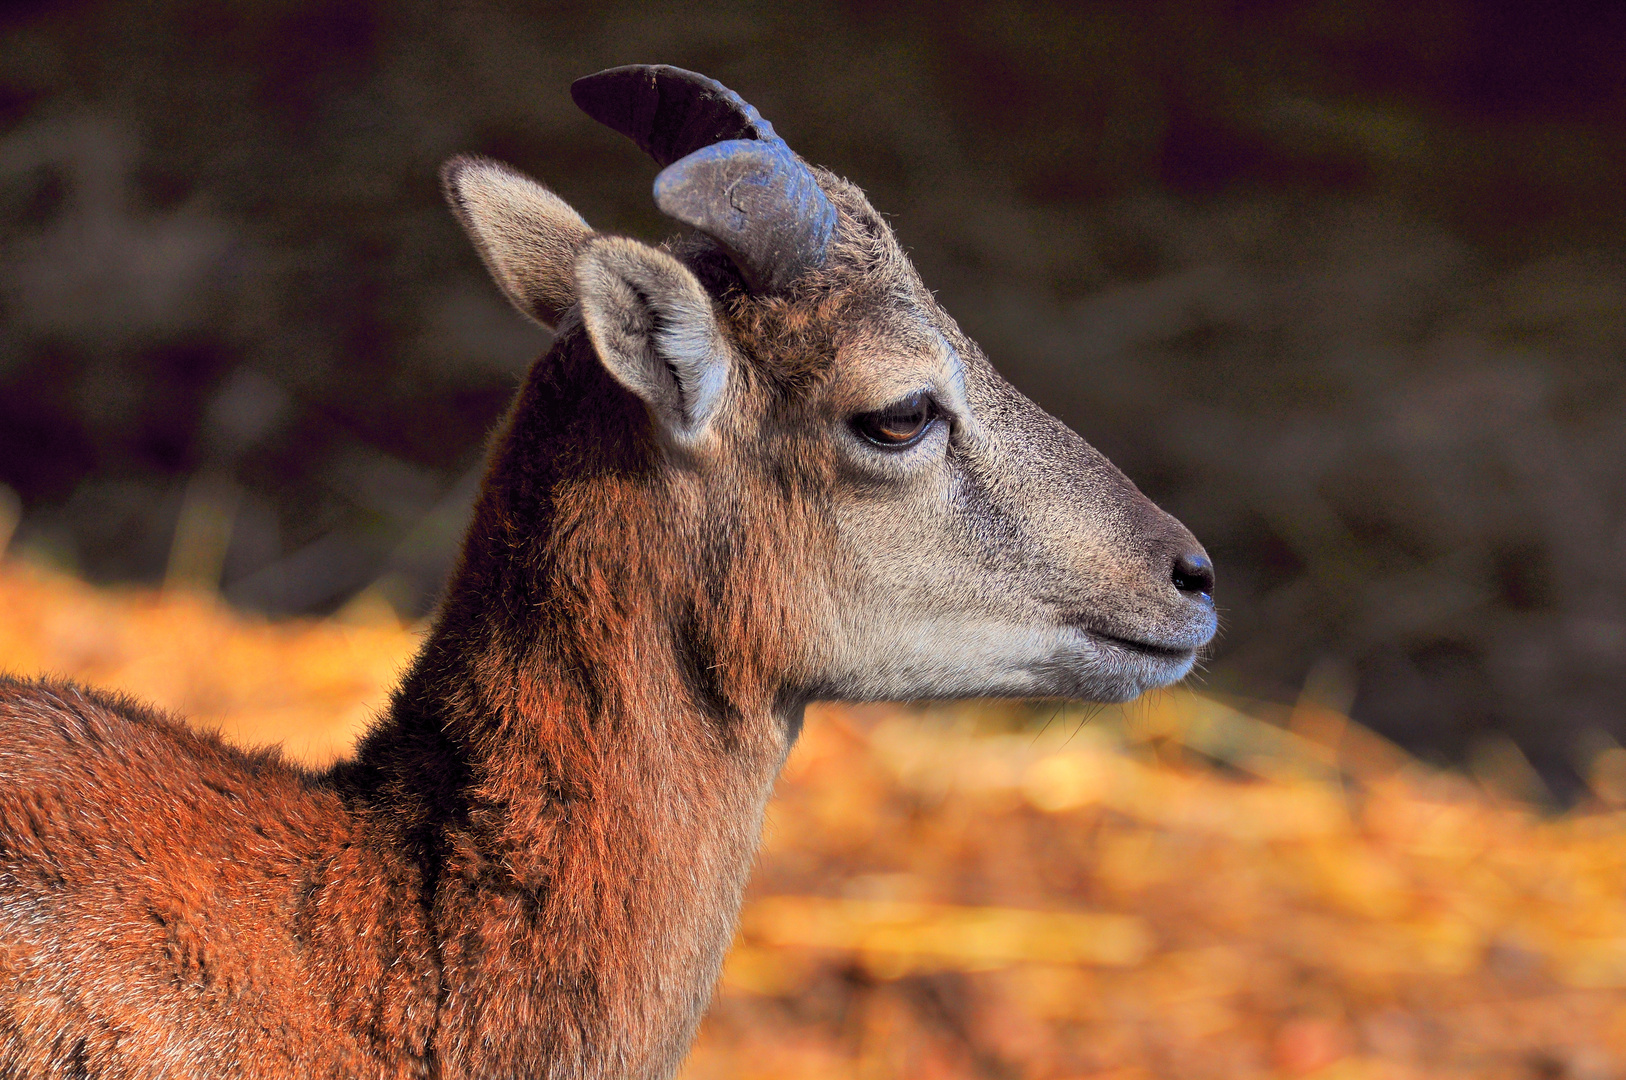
column 1174, row 889
column 312, row 686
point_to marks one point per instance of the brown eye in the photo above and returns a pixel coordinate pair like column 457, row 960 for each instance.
column 900, row 424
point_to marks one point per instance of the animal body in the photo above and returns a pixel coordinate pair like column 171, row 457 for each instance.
column 760, row 467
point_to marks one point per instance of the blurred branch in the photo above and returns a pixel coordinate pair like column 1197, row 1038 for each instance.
column 202, row 534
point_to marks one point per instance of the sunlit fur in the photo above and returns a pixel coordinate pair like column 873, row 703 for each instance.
column 533, row 863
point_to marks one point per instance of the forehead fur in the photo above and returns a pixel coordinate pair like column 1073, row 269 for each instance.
column 864, row 286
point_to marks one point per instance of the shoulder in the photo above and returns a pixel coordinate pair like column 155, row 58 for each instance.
column 61, row 735
column 94, row 785
column 50, row 718
column 50, row 712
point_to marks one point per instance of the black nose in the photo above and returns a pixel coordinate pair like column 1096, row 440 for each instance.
column 1194, row 575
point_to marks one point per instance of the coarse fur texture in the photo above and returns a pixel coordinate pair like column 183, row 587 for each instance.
column 533, row 863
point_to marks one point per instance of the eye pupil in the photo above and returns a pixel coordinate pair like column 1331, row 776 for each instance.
column 900, row 424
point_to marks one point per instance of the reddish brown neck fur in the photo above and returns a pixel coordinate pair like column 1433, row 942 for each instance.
column 581, row 755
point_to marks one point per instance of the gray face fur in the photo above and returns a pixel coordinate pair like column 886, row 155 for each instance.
column 996, row 554
column 1000, row 554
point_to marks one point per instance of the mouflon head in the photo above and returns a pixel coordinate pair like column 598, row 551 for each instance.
column 921, row 528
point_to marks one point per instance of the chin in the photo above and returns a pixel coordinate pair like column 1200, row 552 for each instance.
column 1112, row 671
column 1004, row 661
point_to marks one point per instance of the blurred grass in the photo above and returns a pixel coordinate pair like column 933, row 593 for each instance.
column 1184, row 887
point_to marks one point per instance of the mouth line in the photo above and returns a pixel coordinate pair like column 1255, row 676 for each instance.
column 1144, row 648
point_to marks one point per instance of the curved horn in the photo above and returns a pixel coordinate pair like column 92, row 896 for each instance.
column 760, row 201
column 726, row 172
column 669, row 112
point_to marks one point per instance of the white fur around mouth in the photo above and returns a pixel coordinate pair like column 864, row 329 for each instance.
column 1134, row 666
column 1149, row 649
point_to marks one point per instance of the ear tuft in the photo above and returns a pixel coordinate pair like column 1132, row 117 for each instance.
column 527, row 236
column 654, row 327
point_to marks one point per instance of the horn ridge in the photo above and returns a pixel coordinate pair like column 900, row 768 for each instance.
column 724, row 169
column 760, row 201
column 668, row 111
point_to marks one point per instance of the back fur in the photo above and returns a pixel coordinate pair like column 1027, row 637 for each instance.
column 173, row 907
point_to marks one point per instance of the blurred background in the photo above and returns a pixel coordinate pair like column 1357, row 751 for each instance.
column 1340, row 284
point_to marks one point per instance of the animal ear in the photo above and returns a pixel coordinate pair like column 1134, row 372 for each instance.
column 527, row 235
column 654, row 327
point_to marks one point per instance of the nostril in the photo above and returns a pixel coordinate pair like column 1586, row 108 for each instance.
column 1194, row 575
